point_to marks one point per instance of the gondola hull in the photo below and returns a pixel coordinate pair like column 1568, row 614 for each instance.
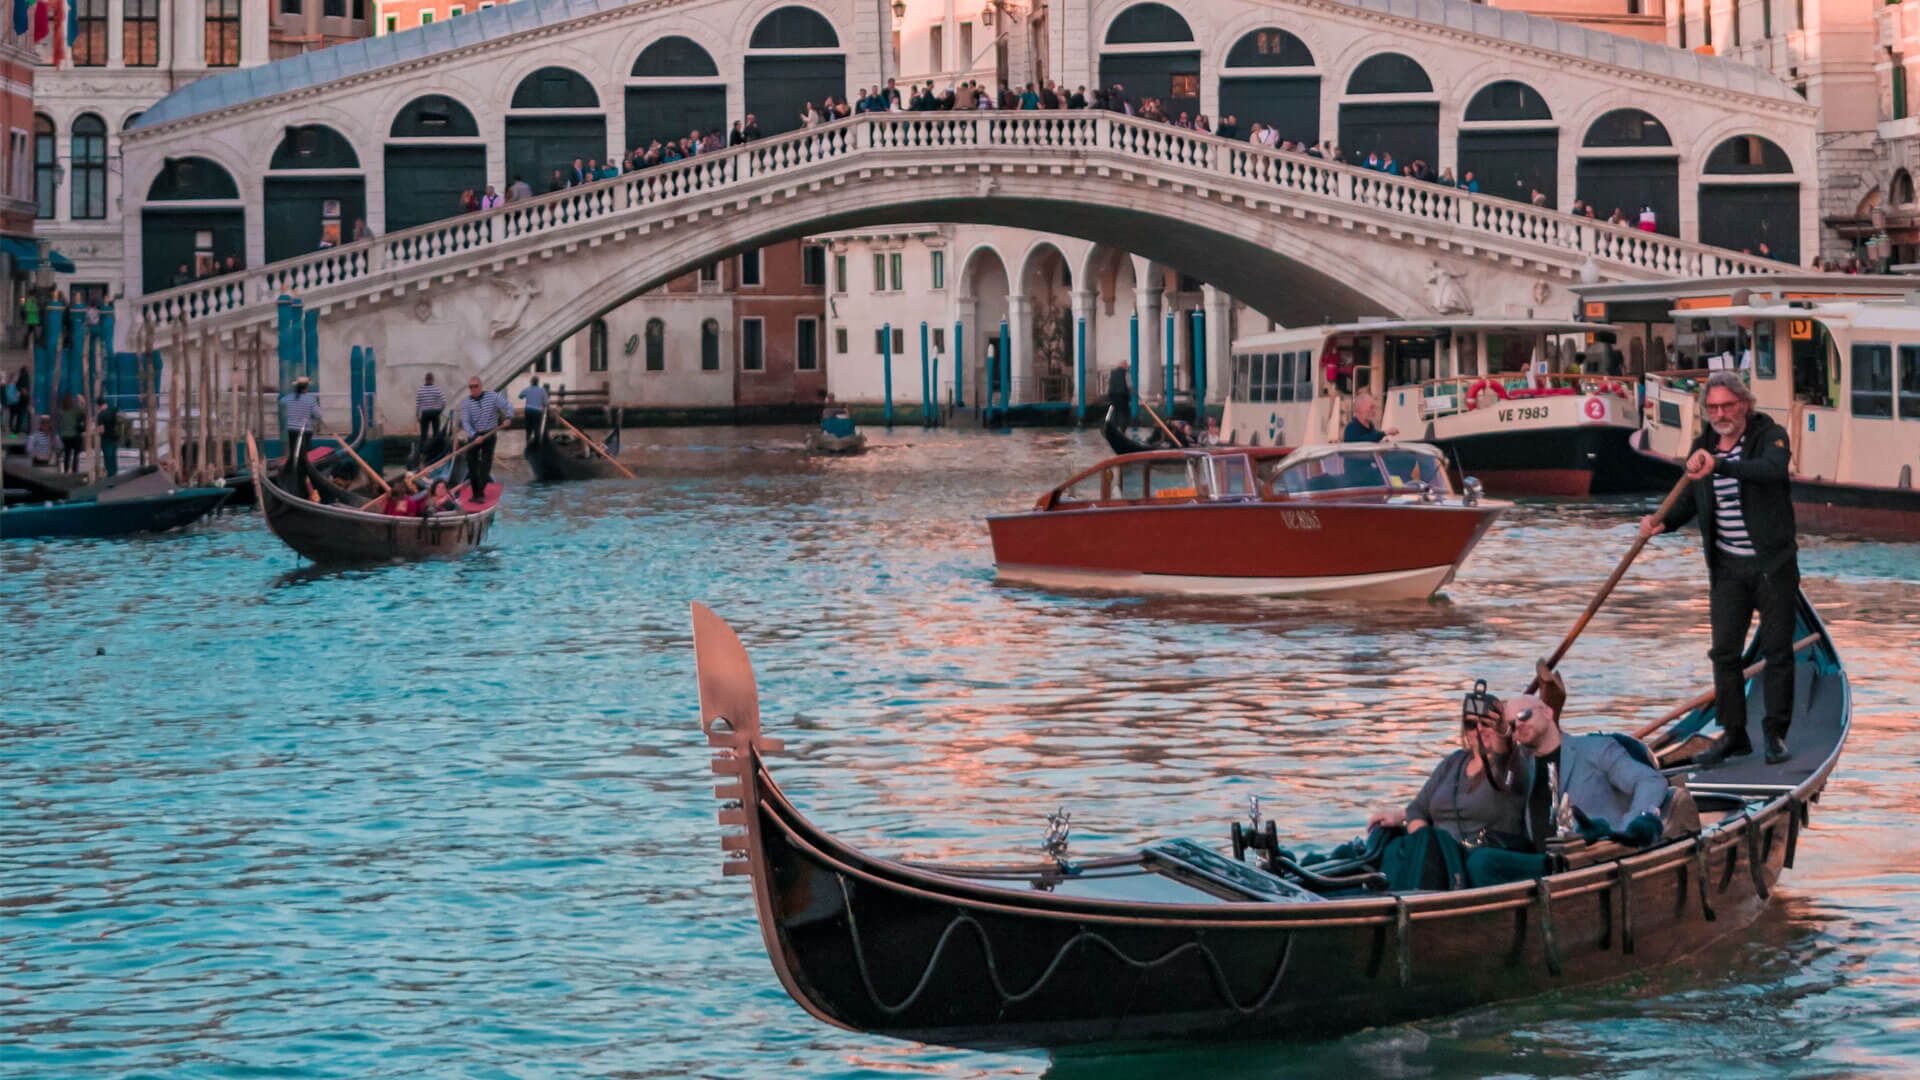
column 113, row 517
column 335, row 535
column 554, row 464
column 1166, row 945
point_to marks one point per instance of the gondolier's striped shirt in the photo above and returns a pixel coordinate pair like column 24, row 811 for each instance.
column 303, row 411
column 479, row 415
column 1729, row 521
column 429, row 398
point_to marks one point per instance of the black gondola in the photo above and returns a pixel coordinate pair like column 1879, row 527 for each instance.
column 560, row 456
column 1175, row 941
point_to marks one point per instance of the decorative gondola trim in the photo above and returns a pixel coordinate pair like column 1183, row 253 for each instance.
column 1756, row 867
column 1626, row 911
column 1700, row 860
column 1544, row 894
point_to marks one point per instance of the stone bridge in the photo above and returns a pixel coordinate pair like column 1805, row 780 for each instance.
column 1295, row 238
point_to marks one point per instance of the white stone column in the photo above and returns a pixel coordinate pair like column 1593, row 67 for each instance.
column 1085, row 304
column 1146, row 305
column 1020, row 346
column 189, row 23
column 116, row 36
column 1219, row 308
column 254, row 24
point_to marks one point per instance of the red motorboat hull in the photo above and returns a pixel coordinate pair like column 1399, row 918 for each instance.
column 1372, row 550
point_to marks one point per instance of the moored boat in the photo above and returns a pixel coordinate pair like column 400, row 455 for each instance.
column 139, row 511
column 1361, row 520
column 1177, row 941
column 560, row 456
column 334, row 533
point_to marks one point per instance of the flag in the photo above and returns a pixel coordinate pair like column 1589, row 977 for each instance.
column 62, row 34
column 22, row 17
column 73, row 21
column 39, row 21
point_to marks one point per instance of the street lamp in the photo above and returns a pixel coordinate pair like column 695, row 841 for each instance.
column 899, row 10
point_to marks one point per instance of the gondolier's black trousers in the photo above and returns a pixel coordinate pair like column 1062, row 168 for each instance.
column 292, row 472
column 429, row 425
column 1739, row 589
column 536, row 425
column 480, row 467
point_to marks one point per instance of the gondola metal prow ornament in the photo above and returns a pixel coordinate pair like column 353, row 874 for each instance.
column 1059, row 828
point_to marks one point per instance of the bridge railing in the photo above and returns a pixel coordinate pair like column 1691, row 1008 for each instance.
column 1054, row 136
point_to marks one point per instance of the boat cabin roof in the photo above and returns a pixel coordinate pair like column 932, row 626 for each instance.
column 1272, row 461
column 1656, row 301
column 1894, row 316
column 1414, row 328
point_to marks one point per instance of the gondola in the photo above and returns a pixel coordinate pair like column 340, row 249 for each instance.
column 335, row 533
column 559, row 457
column 138, row 511
column 1123, row 442
column 1176, row 941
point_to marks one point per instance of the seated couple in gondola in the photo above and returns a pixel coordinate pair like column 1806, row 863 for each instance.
column 1489, row 810
column 406, row 499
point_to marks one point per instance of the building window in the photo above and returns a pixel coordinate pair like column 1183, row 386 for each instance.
column 223, row 33
column 1872, row 381
column 966, row 47
column 597, row 346
column 456, row 11
column 813, row 265
column 1681, row 22
column 289, row 7
column 359, row 10
column 710, row 273
column 90, row 40
column 750, row 267
column 46, row 182
column 840, row 340
column 393, row 24
column 89, row 168
column 1799, row 15
column 1734, row 14
column 710, row 345
column 939, row 339
column 894, row 270
column 899, row 341
column 880, row 339
column 1766, row 18
column 1910, row 382
column 656, row 345
column 140, row 33
column 753, row 344
column 1899, row 87
column 936, row 48
column 939, row 268
column 334, row 9
column 840, row 273
column 1706, row 22
column 879, row 272
column 806, row 344
column 426, row 18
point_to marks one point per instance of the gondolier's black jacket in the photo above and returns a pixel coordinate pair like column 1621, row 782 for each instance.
column 1766, row 495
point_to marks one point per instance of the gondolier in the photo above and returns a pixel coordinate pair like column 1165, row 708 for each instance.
column 481, row 411
column 429, row 402
column 1741, row 495
column 301, row 411
column 535, row 410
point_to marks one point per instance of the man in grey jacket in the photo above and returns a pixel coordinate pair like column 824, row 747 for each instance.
column 1615, row 795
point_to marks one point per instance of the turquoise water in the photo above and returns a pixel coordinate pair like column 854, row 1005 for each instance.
column 455, row 819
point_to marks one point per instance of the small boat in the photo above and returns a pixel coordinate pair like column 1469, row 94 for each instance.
column 30, row 483
column 139, row 510
column 1358, row 520
column 1175, row 940
column 1122, row 441
column 336, row 533
column 558, row 457
column 836, row 435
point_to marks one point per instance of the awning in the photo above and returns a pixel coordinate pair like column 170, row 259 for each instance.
column 26, row 255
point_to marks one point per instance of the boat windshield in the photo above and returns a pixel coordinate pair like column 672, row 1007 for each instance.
column 1337, row 471
column 1406, row 467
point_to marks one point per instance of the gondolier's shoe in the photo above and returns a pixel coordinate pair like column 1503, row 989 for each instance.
column 1726, row 746
column 1777, row 751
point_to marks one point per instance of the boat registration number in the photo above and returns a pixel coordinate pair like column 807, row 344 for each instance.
column 1523, row 412
column 1304, row 520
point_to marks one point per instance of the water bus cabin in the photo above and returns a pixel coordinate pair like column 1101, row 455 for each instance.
column 1504, row 399
column 1363, row 520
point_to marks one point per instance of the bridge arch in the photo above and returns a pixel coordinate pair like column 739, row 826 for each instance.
column 432, row 153
column 1750, row 198
column 1509, row 140
column 674, row 86
column 1270, row 76
column 1150, row 49
column 553, row 119
column 1390, row 107
column 1628, row 162
column 194, row 224
column 794, row 55
column 314, row 192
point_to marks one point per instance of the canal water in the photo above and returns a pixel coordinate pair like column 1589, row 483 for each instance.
column 456, row 819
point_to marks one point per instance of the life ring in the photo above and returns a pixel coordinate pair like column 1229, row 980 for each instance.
column 1473, row 392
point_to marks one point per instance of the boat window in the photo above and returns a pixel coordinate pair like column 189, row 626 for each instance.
column 1171, row 480
column 1763, row 365
column 1812, row 361
column 1087, row 489
column 1873, row 380
column 1910, row 382
column 1129, row 481
column 1231, row 476
column 1332, row 472
column 1410, row 468
column 1256, row 378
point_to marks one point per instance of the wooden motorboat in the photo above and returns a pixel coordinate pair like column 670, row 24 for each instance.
column 338, row 533
column 136, row 509
column 1365, row 520
column 1176, row 941
column 560, row 456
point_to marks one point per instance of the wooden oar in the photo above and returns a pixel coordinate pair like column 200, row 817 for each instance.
column 1177, row 440
column 1707, row 698
column 451, row 454
column 597, row 448
column 385, row 488
column 1606, row 589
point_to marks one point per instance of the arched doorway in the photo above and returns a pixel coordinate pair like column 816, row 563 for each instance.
column 793, row 57
column 984, row 290
column 1748, row 201
column 313, row 194
column 1510, row 144
column 1046, row 363
column 554, row 119
column 433, row 153
column 1150, row 51
column 1270, row 79
column 674, row 88
column 1408, row 127
column 1628, row 163
column 203, row 237
column 1109, row 275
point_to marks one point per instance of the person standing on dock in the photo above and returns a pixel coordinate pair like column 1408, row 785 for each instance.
column 1740, row 491
column 429, row 402
column 301, row 410
column 535, row 397
column 481, row 411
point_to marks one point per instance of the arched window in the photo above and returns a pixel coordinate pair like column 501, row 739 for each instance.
column 46, row 179
column 314, row 146
column 794, row 28
column 132, row 120
column 89, row 168
column 1748, row 154
column 1627, row 127
column 597, row 346
column 710, row 345
column 1269, row 47
column 1389, row 73
column 192, row 178
column 1508, row 100
column 1900, row 192
column 656, row 345
column 674, row 57
column 555, row 88
column 435, row 116
column 1143, row 24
